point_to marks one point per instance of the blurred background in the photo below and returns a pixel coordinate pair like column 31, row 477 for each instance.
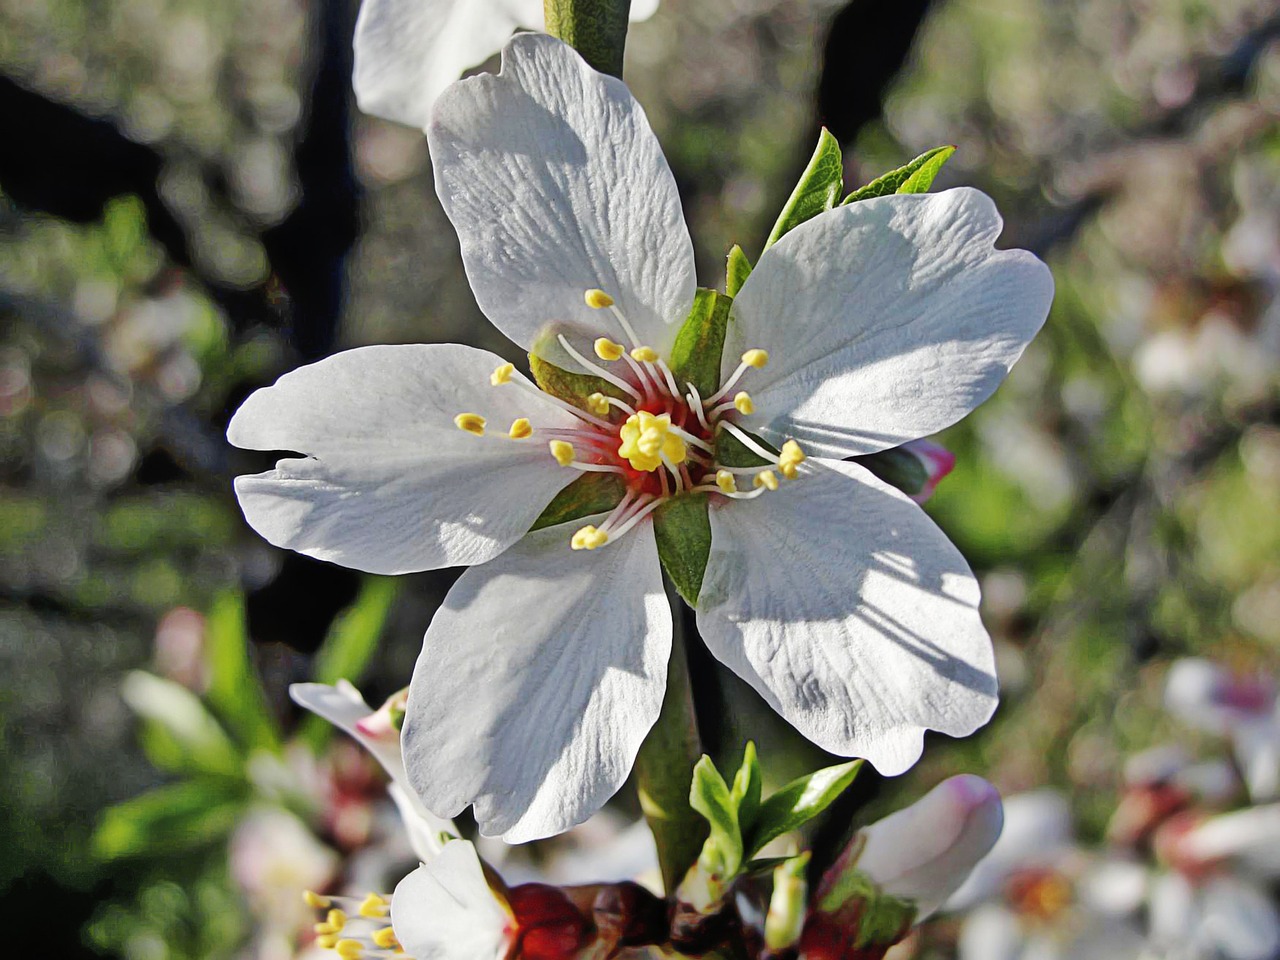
column 190, row 205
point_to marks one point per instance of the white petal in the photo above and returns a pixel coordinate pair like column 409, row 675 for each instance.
column 408, row 51
column 1037, row 829
column 389, row 484
column 445, row 910
column 1250, row 836
column 885, row 321
column 556, row 185
column 838, row 599
column 345, row 708
column 991, row 933
column 924, row 852
column 539, row 678
column 1239, row 920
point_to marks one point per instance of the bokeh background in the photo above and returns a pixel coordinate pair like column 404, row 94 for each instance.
column 190, row 205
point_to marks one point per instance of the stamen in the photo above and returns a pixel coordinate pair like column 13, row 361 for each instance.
column 316, row 901
column 578, row 412
column 606, row 349
column 596, row 468
column 336, row 920
column 637, row 517
column 326, row 941
column 589, row 538
column 598, row 403
column 626, row 327
column 598, row 299
column 644, row 354
column 767, row 479
column 349, row 949
column 606, row 402
column 374, row 907
column 742, row 403
column 748, row 442
column 386, row 938
column 695, row 404
column 756, row 358
column 502, row 374
column 752, row 358
column 790, row 458
column 562, row 450
column 644, row 375
column 520, row 429
column 726, row 482
column 597, row 370
column 471, row 423
column 690, row 438
column 669, row 377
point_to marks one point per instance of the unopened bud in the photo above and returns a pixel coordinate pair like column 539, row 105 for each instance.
column 783, row 922
column 551, row 927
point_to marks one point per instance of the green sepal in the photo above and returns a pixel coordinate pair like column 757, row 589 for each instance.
column 572, row 388
column 169, row 819
column 914, row 177
column 817, row 191
column 737, row 269
column 897, row 468
column 591, row 493
column 747, row 785
column 709, row 795
column 881, row 918
column 799, row 802
column 695, row 356
column 682, row 530
column 732, row 452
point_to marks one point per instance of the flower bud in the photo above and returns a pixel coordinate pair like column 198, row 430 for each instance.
column 548, row 925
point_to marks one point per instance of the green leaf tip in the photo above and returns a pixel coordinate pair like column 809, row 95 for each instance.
column 695, row 356
column 817, row 191
column 799, row 802
column 748, row 783
column 737, row 269
column 916, row 176
column 709, row 795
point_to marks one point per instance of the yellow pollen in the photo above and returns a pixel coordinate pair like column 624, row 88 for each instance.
column 606, row 349
column 726, row 482
column 349, row 949
column 644, row 354
column 791, row 452
column 647, row 438
column 386, row 938
column 598, row 299
column 373, row 906
column 520, row 429
column 327, row 941
column 315, row 901
column 756, row 358
column 471, row 423
column 502, row 374
column 597, row 404
column 588, row 538
column 324, row 928
column 742, row 403
column 767, row 479
column 788, row 469
column 337, row 919
column 562, row 450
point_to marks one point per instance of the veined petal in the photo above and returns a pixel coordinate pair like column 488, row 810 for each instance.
column 538, row 679
column 389, row 484
column 843, row 605
column 557, row 185
column 445, row 910
column 885, row 321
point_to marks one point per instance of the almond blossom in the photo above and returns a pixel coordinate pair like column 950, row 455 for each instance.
column 826, row 589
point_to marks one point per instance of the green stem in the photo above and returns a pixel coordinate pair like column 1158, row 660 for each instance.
column 664, row 771
column 597, row 29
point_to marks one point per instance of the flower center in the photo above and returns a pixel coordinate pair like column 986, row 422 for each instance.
column 660, row 439
column 352, row 928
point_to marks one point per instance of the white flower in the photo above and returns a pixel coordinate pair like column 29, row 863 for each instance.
column 1218, row 918
column 828, row 591
column 408, row 51
column 445, row 910
column 343, row 706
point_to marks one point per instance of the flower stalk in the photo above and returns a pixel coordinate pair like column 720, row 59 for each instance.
column 597, row 29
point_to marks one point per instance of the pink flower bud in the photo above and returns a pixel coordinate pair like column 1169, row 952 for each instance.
column 937, row 461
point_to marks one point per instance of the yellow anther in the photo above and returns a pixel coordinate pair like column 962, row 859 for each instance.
column 326, row 941
column 726, row 482
column 349, row 949
column 337, row 919
column 502, row 374
column 386, row 938
column 756, row 358
column 324, row 928
column 588, row 538
column 767, row 479
column 788, row 469
column 470, row 422
column 644, row 354
column 520, row 429
column 742, row 403
column 598, row 404
column 562, row 450
column 598, row 299
column 373, row 906
column 791, row 451
column 646, row 439
column 606, row 349
column 315, row 901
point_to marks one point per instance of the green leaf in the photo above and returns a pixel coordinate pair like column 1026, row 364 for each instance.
column 914, row 177
column 799, row 802
column 183, row 721
column 350, row 644
column 736, row 271
column 747, row 784
column 818, row 191
column 169, row 819
column 235, row 692
column 682, row 529
column 572, row 388
column 897, row 468
column 590, row 493
column 695, row 356
column 710, row 796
